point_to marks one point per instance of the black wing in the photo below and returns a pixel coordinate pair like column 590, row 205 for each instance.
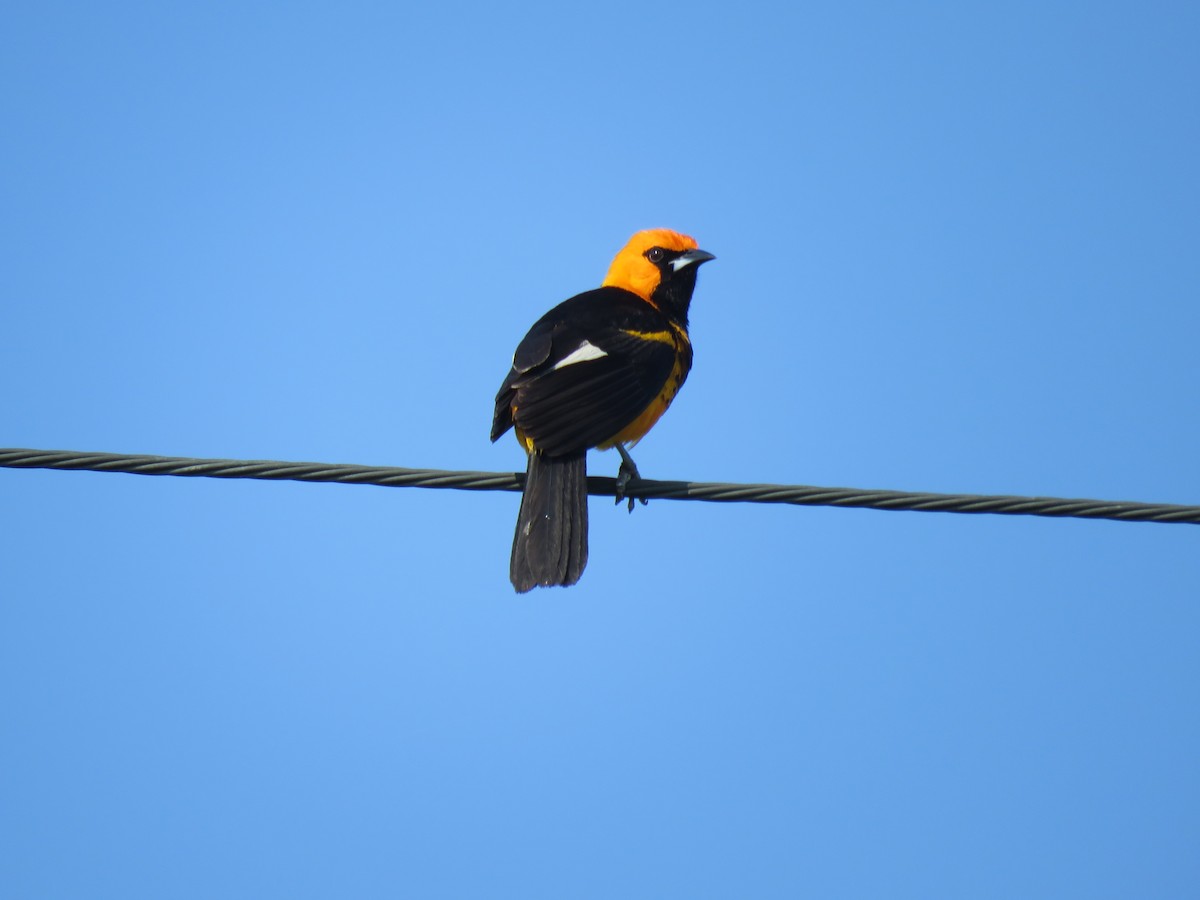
column 584, row 403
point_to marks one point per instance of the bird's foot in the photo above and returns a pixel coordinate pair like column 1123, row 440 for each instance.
column 627, row 474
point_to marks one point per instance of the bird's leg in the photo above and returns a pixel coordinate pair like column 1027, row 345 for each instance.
column 628, row 472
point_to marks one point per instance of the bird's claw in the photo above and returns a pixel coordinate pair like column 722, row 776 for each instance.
column 627, row 474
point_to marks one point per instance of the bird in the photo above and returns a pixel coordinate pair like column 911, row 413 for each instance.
column 598, row 370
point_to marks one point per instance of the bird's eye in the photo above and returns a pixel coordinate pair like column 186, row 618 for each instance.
column 656, row 254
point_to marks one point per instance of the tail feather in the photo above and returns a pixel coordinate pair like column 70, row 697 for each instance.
column 550, row 546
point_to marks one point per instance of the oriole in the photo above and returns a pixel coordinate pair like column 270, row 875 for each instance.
column 598, row 370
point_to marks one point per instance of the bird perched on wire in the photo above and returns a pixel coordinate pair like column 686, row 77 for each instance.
column 598, row 370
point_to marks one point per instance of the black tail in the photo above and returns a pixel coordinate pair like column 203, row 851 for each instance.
column 551, row 545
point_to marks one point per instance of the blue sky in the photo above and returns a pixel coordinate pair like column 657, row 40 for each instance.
column 956, row 252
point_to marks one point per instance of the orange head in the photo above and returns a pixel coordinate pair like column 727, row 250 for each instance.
column 658, row 265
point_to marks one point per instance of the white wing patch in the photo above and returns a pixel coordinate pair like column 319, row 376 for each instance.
column 584, row 352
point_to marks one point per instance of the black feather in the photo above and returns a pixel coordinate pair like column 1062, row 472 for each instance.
column 550, row 546
column 586, row 403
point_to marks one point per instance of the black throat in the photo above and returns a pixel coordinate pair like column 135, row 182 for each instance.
column 674, row 293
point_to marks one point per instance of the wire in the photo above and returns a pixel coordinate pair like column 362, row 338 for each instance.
column 796, row 494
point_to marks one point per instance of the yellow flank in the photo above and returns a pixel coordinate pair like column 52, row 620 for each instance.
column 636, row 430
column 525, row 442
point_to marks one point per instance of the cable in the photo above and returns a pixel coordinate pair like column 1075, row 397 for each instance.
column 796, row 494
